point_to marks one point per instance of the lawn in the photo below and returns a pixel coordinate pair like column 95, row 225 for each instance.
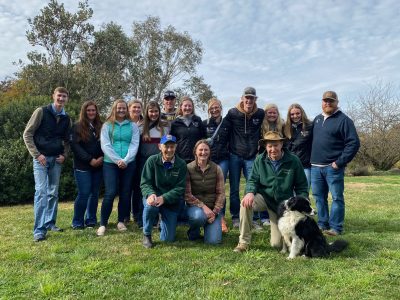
column 79, row 265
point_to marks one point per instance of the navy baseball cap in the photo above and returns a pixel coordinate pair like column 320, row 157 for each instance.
column 167, row 139
column 169, row 94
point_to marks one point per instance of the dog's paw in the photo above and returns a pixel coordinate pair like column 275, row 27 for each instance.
column 290, row 257
column 283, row 251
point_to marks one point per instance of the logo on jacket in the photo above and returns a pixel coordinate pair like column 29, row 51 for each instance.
column 256, row 121
column 195, row 124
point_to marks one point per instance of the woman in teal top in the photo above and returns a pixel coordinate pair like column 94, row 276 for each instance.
column 119, row 142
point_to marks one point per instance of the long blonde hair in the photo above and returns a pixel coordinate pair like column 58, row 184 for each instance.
column 288, row 125
column 279, row 123
column 113, row 113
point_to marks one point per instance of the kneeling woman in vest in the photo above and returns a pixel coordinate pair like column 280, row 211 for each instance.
column 205, row 195
column 119, row 142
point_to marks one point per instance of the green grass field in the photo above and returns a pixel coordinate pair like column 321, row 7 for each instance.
column 79, row 265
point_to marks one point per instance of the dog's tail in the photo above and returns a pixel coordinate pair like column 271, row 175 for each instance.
column 338, row 246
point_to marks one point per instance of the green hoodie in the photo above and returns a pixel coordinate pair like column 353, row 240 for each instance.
column 277, row 187
column 169, row 183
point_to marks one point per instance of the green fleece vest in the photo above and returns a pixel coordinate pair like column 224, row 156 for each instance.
column 120, row 138
column 203, row 184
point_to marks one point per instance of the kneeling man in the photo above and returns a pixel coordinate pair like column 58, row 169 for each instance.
column 163, row 188
column 276, row 176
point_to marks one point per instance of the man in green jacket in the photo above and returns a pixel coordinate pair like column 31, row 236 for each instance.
column 163, row 186
column 276, row 176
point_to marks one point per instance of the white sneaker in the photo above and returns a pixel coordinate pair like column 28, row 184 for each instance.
column 256, row 226
column 101, row 231
column 121, row 226
column 266, row 223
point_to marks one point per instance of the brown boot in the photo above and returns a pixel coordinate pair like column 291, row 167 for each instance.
column 223, row 225
column 240, row 248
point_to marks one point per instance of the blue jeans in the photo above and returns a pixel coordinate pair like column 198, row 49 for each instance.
column 169, row 219
column 119, row 181
column 236, row 164
column 197, row 219
column 323, row 180
column 307, row 171
column 88, row 183
column 136, row 202
column 47, row 182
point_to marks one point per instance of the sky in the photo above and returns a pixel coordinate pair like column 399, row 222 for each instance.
column 290, row 51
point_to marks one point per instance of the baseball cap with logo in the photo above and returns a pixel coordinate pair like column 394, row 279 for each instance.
column 169, row 94
column 167, row 139
column 249, row 91
column 330, row 95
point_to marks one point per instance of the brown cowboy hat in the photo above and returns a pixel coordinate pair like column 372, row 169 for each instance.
column 271, row 136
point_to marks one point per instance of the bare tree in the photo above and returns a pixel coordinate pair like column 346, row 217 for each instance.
column 376, row 115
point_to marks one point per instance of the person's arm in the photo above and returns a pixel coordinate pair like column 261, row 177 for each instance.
column 351, row 143
column 106, row 144
column 219, row 191
column 30, row 129
column 134, row 145
column 79, row 152
column 189, row 198
column 147, row 179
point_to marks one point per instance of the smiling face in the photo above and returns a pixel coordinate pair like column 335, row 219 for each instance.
column 153, row 114
column 167, row 150
column 295, row 115
column 274, row 149
column 135, row 110
column 59, row 100
column 121, row 111
column 248, row 103
column 169, row 104
column 91, row 113
column 202, row 153
column 329, row 106
column 187, row 108
column 215, row 110
column 271, row 115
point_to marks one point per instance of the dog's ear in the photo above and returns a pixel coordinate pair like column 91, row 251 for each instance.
column 291, row 202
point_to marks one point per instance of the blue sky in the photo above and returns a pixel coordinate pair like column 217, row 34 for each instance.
column 290, row 51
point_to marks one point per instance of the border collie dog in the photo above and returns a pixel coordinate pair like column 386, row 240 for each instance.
column 301, row 233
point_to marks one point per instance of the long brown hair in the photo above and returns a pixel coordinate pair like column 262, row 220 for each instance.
column 278, row 123
column 288, row 125
column 160, row 125
column 84, row 123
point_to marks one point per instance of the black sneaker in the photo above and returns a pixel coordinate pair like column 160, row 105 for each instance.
column 147, row 242
column 79, row 227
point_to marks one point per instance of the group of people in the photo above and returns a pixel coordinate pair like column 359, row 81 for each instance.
column 168, row 166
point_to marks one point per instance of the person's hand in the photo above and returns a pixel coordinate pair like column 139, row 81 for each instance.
column 335, row 166
column 60, row 159
column 93, row 163
column 159, row 201
column 42, row 159
column 248, row 200
column 151, row 200
column 208, row 212
column 100, row 161
column 121, row 164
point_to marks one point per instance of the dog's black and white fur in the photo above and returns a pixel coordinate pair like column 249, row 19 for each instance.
column 301, row 233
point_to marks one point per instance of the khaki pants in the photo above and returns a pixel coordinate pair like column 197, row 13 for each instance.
column 246, row 220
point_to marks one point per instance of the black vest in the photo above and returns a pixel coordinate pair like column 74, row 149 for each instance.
column 53, row 131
